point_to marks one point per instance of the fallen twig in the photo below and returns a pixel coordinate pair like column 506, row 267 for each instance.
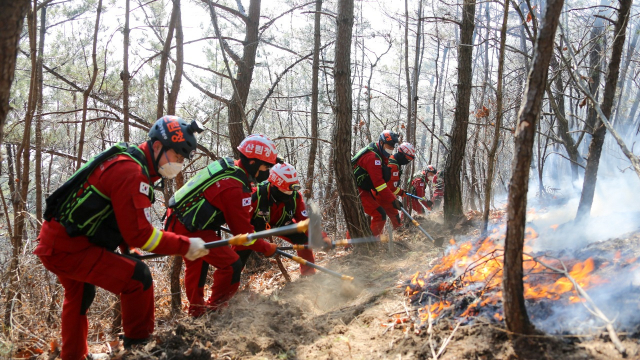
column 446, row 342
column 430, row 332
column 594, row 309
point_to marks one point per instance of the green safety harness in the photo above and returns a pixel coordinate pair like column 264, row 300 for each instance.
column 83, row 210
column 189, row 203
column 261, row 219
column 363, row 180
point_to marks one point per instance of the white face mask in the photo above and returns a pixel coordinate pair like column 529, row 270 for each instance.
column 287, row 192
column 430, row 177
column 170, row 170
column 389, row 151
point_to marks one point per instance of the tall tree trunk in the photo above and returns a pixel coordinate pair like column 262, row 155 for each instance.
column 176, row 263
column 20, row 202
column 164, row 60
column 12, row 14
column 413, row 124
column 515, row 312
column 244, row 76
column 406, row 66
column 43, row 16
column 496, row 133
column 623, row 84
column 453, row 190
column 595, row 148
column 351, row 206
column 311, row 164
column 87, row 92
column 124, row 76
column 177, row 76
column 563, row 124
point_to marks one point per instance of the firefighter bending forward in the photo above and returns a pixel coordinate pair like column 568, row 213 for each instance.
column 419, row 188
column 218, row 194
column 370, row 168
column 277, row 202
column 405, row 154
column 106, row 204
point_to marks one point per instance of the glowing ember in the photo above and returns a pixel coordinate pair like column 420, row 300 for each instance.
column 473, row 271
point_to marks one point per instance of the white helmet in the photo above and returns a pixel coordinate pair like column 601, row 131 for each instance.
column 408, row 150
column 284, row 177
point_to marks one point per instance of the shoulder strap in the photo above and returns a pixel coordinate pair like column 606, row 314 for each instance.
column 217, row 170
column 58, row 197
column 264, row 203
column 364, row 150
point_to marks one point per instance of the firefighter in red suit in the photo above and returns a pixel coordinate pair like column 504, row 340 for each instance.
column 405, row 154
column 276, row 203
column 419, row 188
column 437, row 177
column 371, row 170
column 219, row 194
column 105, row 205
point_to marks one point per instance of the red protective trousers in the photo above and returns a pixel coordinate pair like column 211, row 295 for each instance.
column 378, row 211
column 226, row 277
column 79, row 272
column 419, row 188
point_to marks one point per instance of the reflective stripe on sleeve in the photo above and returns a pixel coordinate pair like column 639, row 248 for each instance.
column 153, row 241
column 397, row 191
column 381, row 187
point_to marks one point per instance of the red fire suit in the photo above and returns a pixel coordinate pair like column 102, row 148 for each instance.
column 418, row 185
column 276, row 210
column 438, row 192
column 381, row 205
column 227, row 196
column 81, row 265
column 394, row 182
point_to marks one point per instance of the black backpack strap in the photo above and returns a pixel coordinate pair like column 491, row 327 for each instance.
column 55, row 201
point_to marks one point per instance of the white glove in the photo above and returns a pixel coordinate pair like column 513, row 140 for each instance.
column 196, row 249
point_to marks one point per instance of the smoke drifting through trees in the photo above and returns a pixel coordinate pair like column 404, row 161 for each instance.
column 281, row 77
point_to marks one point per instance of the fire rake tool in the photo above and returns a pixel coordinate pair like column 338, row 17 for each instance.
column 342, row 242
column 418, row 198
column 436, row 243
column 315, row 242
column 245, row 238
column 302, row 261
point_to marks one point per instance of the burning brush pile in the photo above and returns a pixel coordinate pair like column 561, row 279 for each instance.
column 466, row 284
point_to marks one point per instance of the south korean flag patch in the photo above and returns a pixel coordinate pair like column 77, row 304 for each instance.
column 147, row 214
column 378, row 163
column 305, row 213
column 246, row 201
column 144, row 188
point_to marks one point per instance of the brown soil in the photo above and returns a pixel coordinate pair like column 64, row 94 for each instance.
column 319, row 318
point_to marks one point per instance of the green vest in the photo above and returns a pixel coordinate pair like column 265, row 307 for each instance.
column 262, row 213
column 363, row 180
column 189, row 203
column 84, row 210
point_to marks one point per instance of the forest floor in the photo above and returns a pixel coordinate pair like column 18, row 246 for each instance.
column 318, row 317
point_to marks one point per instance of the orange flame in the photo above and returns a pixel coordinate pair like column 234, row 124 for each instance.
column 480, row 264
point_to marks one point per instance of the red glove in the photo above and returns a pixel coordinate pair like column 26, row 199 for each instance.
column 271, row 251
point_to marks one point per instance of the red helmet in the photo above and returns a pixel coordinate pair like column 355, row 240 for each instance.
column 258, row 146
column 430, row 169
column 284, row 177
column 408, row 150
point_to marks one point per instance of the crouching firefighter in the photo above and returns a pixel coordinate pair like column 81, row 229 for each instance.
column 371, row 170
column 277, row 202
column 405, row 154
column 106, row 204
column 218, row 194
column 419, row 188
